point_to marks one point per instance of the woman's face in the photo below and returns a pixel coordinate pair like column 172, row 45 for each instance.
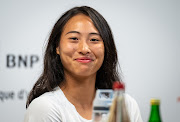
column 81, row 48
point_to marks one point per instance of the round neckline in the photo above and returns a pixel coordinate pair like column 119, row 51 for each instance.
column 73, row 106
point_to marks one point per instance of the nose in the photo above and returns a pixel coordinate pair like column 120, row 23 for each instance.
column 83, row 47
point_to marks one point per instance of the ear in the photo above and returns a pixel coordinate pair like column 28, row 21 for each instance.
column 57, row 50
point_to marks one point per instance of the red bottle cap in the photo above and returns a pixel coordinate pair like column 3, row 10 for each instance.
column 118, row 86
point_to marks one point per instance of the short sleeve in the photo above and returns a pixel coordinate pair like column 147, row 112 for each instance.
column 42, row 109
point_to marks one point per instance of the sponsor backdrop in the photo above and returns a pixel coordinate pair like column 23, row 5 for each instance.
column 147, row 38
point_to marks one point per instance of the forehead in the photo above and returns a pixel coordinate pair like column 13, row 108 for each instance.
column 79, row 17
column 80, row 21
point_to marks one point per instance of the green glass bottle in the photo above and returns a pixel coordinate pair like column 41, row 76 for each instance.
column 155, row 111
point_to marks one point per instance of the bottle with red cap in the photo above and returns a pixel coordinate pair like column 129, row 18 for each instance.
column 118, row 111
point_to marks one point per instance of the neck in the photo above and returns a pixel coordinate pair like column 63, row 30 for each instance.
column 80, row 91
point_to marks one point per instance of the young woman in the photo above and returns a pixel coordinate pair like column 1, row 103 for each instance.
column 80, row 57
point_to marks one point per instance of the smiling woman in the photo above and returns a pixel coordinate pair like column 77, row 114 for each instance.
column 80, row 57
column 81, row 48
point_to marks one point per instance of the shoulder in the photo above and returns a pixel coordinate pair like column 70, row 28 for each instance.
column 45, row 107
column 130, row 100
column 47, row 100
column 133, row 108
column 131, row 104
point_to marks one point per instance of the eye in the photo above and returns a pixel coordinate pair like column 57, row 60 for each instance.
column 73, row 38
column 94, row 40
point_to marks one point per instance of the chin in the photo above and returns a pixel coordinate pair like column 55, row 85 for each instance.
column 84, row 74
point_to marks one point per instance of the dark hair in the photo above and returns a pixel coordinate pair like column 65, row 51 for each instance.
column 53, row 73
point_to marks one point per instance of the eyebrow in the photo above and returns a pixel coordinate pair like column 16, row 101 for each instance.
column 93, row 33
column 73, row 32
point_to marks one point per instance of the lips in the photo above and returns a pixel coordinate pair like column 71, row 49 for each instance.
column 84, row 59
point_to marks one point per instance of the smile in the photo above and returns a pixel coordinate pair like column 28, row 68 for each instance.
column 84, row 60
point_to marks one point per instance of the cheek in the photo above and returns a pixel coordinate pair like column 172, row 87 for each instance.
column 67, row 49
column 99, row 51
column 66, row 55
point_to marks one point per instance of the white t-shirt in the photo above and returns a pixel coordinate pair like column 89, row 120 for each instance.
column 55, row 107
